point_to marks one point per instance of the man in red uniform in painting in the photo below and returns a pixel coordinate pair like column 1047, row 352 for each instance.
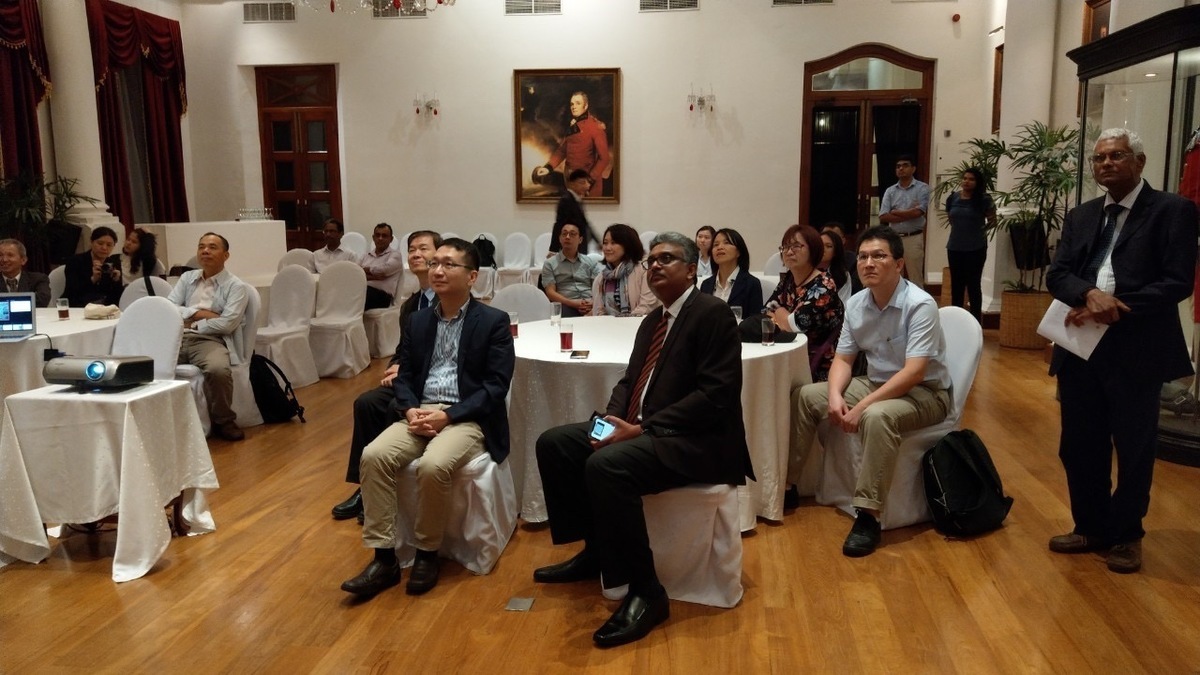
column 584, row 147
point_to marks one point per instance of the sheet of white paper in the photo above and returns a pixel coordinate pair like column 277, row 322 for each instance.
column 1079, row 340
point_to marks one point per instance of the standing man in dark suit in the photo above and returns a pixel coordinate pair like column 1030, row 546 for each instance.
column 678, row 418
column 455, row 368
column 373, row 408
column 570, row 211
column 14, row 277
column 1125, row 260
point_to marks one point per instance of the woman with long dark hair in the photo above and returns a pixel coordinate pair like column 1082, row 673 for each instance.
column 833, row 262
column 971, row 213
column 806, row 299
column 620, row 289
column 139, row 257
column 731, row 280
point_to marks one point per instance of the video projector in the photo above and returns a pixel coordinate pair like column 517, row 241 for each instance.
column 99, row 372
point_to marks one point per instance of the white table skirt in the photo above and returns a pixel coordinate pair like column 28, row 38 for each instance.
column 21, row 362
column 69, row 457
column 549, row 388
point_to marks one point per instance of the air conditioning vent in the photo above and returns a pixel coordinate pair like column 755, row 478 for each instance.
column 527, row 7
column 790, row 3
column 268, row 12
column 668, row 5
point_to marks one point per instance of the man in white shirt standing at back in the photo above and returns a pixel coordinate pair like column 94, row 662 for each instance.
column 383, row 266
column 332, row 251
column 212, row 304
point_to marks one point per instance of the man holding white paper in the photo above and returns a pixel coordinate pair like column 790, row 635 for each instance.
column 1125, row 260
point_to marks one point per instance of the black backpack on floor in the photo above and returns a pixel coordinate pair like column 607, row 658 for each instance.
column 962, row 486
column 276, row 403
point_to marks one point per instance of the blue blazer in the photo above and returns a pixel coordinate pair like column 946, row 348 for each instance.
column 1154, row 260
column 746, row 292
column 485, row 369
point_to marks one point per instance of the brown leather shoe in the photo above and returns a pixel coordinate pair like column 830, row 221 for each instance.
column 1125, row 558
column 1075, row 543
column 229, row 431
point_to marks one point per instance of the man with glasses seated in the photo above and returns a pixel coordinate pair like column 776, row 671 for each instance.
column 567, row 275
column 904, row 207
column 907, row 385
column 456, row 363
column 676, row 418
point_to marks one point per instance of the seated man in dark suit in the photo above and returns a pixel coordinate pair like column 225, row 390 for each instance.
column 14, row 276
column 456, row 363
column 373, row 409
column 678, row 418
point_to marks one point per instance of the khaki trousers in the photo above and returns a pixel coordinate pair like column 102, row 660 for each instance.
column 879, row 430
column 385, row 457
column 211, row 356
column 914, row 258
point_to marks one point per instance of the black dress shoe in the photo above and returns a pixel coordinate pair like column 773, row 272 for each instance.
column 633, row 620
column 424, row 575
column 350, row 508
column 864, row 537
column 580, row 568
column 375, row 578
column 791, row 498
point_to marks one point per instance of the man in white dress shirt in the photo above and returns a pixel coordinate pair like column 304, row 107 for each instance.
column 332, row 251
column 383, row 266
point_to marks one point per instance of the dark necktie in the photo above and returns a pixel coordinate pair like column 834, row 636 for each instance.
column 12, row 285
column 423, row 303
column 656, row 343
column 1100, row 252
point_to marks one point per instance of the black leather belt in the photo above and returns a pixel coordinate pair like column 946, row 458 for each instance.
column 910, row 234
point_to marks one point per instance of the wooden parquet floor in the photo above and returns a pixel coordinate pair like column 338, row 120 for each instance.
column 261, row 593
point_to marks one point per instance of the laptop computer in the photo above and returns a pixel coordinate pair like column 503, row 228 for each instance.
column 18, row 317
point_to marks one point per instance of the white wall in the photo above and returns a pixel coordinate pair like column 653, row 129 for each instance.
column 739, row 169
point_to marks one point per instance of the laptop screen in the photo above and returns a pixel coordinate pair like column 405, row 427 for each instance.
column 17, row 316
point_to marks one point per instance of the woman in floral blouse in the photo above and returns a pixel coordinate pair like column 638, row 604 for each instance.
column 806, row 299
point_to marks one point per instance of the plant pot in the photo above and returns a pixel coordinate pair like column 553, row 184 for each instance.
column 1029, row 247
column 1020, row 314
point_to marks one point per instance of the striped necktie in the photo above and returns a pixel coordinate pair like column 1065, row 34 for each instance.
column 1099, row 253
column 12, row 285
column 656, row 343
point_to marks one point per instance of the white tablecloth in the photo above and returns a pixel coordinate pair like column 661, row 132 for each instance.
column 21, row 362
column 549, row 388
column 69, row 457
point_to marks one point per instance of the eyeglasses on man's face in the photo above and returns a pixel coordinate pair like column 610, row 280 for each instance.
column 794, row 246
column 1116, row 156
column 874, row 256
column 447, row 265
column 663, row 259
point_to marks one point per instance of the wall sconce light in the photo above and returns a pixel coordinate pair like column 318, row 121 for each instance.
column 426, row 106
column 702, row 103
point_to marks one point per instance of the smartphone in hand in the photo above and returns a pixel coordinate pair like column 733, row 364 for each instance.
column 601, row 429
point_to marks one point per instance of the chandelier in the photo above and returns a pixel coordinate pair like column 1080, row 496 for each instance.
column 393, row 7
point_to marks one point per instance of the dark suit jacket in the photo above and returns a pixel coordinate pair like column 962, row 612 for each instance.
column 693, row 403
column 80, row 290
column 485, row 368
column 407, row 308
column 1154, row 260
column 32, row 282
column 570, row 210
column 746, row 292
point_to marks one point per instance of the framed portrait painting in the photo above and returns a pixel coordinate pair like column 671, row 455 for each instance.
column 564, row 121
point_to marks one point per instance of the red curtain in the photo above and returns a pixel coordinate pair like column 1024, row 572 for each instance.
column 24, row 82
column 122, row 37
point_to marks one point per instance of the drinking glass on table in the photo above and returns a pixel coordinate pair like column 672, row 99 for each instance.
column 555, row 313
column 566, row 336
column 768, row 331
column 512, row 323
column 737, row 312
column 64, row 308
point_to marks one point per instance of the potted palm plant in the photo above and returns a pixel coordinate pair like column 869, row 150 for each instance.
column 1044, row 162
column 34, row 210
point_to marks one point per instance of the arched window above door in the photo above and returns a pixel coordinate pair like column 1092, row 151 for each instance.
column 867, row 74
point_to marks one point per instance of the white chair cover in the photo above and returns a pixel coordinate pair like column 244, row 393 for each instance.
column 482, row 517
column 383, row 327
column 244, row 406
column 773, row 266
column 485, row 283
column 58, row 283
column 697, row 544
column 841, row 459
column 514, row 267
column 541, row 246
column 284, row 339
column 356, row 242
column 526, row 300
column 448, row 235
column 646, row 237
column 298, row 256
column 768, row 285
column 137, row 289
column 337, row 337
column 150, row 326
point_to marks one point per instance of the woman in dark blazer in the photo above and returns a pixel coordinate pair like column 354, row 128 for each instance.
column 731, row 280
column 94, row 276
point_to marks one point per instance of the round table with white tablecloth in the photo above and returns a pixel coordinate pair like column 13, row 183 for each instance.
column 21, row 362
column 550, row 388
